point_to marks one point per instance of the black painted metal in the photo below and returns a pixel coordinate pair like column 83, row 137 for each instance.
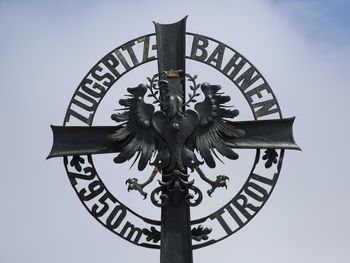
column 174, row 135
column 82, row 140
column 175, row 128
column 171, row 45
column 262, row 134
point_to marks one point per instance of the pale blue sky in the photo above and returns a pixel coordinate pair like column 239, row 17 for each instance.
column 302, row 49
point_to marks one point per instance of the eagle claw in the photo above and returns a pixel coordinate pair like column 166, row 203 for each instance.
column 133, row 184
column 219, row 182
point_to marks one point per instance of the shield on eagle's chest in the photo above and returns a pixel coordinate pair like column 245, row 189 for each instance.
column 175, row 133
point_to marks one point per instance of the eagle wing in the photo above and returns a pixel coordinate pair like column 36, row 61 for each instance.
column 136, row 134
column 213, row 130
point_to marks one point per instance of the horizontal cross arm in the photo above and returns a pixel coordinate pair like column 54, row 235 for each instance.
column 264, row 134
column 82, row 140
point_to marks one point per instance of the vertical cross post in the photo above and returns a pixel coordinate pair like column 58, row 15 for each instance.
column 176, row 245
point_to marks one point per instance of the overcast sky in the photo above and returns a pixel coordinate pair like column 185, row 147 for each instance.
column 301, row 47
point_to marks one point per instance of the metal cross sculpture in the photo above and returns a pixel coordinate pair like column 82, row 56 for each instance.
column 175, row 135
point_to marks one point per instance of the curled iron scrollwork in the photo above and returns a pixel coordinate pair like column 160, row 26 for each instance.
column 195, row 198
column 158, row 198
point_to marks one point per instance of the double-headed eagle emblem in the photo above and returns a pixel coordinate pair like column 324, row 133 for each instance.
column 174, row 135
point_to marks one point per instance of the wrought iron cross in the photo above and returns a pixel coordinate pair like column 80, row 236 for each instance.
column 171, row 138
